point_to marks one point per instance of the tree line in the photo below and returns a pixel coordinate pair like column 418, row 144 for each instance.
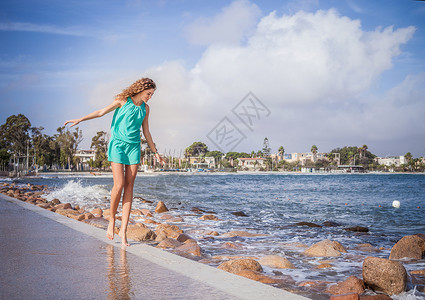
column 19, row 139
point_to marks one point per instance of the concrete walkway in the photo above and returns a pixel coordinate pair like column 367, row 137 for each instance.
column 48, row 256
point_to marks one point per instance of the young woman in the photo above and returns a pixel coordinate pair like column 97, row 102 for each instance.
column 131, row 113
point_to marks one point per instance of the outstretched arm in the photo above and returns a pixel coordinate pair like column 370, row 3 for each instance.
column 148, row 137
column 96, row 114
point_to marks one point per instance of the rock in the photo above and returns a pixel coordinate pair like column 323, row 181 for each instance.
column 97, row 212
column 63, row 206
column 55, row 201
column 190, row 248
column 136, row 212
column 160, row 236
column 79, row 217
column 230, row 245
column 138, row 233
column 250, row 274
column 239, row 214
column 357, row 229
column 241, row 234
column 352, row 296
column 209, row 217
column 88, row 216
column 169, row 243
column 325, row 248
column 307, row 224
column 276, row 261
column 211, row 232
column 351, row 285
column 149, row 221
column 146, row 212
column 418, row 272
column 331, row 224
column 175, row 220
column 376, row 297
column 197, row 210
column 77, row 207
column 324, row 266
column 160, row 207
column 384, row 275
column 67, row 212
column 166, row 216
column 106, row 212
column 411, row 246
column 171, row 231
column 97, row 222
column 183, row 237
column 44, row 205
column 237, row 265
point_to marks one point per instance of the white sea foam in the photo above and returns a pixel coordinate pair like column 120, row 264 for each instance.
column 75, row 193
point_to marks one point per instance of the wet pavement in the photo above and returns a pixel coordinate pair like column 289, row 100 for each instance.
column 44, row 255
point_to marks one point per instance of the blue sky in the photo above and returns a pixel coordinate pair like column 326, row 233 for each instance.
column 332, row 73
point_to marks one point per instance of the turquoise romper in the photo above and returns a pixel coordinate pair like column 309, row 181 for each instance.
column 124, row 147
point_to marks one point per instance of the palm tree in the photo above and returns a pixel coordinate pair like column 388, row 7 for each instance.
column 281, row 151
column 314, row 151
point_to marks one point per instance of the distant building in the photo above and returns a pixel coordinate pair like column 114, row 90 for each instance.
column 252, row 163
column 304, row 157
column 85, row 156
column 202, row 162
column 389, row 161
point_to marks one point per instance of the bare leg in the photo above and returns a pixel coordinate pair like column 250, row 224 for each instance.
column 118, row 175
column 127, row 200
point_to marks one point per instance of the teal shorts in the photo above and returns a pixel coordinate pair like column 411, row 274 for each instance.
column 124, row 153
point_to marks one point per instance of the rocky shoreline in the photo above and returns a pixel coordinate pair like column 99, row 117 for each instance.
column 379, row 277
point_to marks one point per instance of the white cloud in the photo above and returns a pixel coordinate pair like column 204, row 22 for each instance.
column 228, row 27
column 316, row 72
column 43, row 28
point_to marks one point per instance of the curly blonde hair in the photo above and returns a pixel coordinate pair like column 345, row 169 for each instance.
column 137, row 87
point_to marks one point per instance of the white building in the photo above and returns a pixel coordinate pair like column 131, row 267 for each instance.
column 252, row 163
column 85, row 156
column 389, row 161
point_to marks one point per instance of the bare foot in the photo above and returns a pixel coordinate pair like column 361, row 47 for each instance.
column 110, row 231
column 123, row 237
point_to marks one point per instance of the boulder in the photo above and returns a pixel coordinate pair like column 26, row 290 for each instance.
column 183, row 237
column 411, row 246
column 63, row 206
column 331, row 224
column 253, row 275
column 209, row 217
column 357, row 229
column 97, row 212
column 171, row 231
column 241, row 234
column 160, row 207
column 308, row 224
column 376, row 297
column 351, row 285
column 237, row 265
column 55, row 201
column 351, row 296
column 384, row 275
column 67, row 212
column 136, row 212
column 146, row 212
column 276, row 261
column 326, row 248
column 169, row 243
column 139, row 233
column 230, row 245
column 190, row 248
column 107, row 212
column 97, row 222
column 239, row 214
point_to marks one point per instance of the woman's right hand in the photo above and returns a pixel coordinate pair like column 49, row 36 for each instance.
column 73, row 121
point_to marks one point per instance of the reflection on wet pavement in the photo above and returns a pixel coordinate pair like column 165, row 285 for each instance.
column 118, row 274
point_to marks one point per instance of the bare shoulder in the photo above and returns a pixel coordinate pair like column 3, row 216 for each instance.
column 147, row 107
column 119, row 102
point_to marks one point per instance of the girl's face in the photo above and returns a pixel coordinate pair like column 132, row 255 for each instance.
column 147, row 94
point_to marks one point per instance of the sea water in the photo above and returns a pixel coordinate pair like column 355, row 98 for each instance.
column 273, row 203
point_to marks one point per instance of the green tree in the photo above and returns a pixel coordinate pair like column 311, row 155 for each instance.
column 4, row 157
column 43, row 147
column 281, row 151
column 196, row 149
column 314, row 151
column 68, row 142
column 14, row 134
column 100, row 145
column 266, row 148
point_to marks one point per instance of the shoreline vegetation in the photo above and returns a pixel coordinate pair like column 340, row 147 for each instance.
column 25, row 149
column 379, row 277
